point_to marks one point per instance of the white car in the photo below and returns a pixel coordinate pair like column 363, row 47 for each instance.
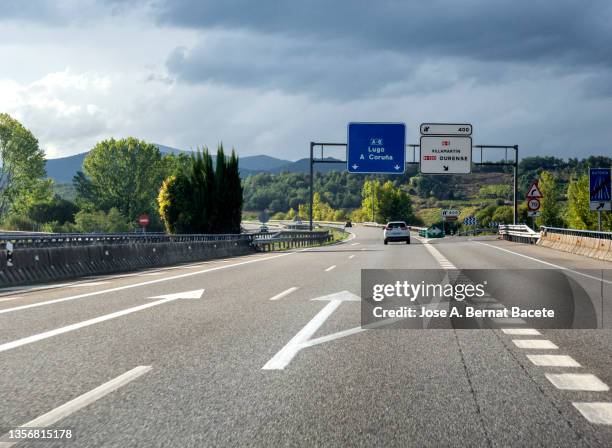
column 397, row 231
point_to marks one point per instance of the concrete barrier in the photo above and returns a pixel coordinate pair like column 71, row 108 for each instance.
column 31, row 265
column 596, row 245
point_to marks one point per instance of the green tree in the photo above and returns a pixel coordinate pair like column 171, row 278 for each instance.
column 235, row 193
column 394, row 204
column 201, row 200
column 174, row 201
column 56, row 210
column 125, row 174
column 100, row 221
column 22, row 167
column 578, row 213
column 549, row 204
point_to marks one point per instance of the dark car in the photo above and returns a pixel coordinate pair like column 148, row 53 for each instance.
column 348, row 224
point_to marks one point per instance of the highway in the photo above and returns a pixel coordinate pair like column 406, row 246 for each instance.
column 235, row 352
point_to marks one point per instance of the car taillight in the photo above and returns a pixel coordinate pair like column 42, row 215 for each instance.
column 388, row 228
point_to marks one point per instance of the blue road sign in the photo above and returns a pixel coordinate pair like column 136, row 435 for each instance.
column 599, row 185
column 376, row 148
column 470, row 221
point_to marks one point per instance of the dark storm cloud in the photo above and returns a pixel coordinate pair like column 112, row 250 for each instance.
column 562, row 31
column 341, row 49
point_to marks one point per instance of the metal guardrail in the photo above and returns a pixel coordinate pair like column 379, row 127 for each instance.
column 520, row 233
column 29, row 240
column 286, row 239
column 575, row 232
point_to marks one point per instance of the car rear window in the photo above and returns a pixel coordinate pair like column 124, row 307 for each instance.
column 396, row 225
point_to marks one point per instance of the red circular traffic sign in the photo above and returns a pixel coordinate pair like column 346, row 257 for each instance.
column 533, row 204
column 143, row 220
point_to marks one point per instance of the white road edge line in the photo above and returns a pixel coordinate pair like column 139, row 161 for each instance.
column 48, row 334
column 82, row 401
column 333, row 266
column 546, row 262
column 286, row 292
column 136, row 285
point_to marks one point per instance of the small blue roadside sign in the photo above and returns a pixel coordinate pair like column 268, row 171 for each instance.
column 376, row 148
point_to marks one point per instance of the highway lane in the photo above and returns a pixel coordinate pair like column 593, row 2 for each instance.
column 206, row 385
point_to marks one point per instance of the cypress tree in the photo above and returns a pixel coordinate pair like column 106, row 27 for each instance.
column 234, row 188
column 222, row 207
column 208, row 198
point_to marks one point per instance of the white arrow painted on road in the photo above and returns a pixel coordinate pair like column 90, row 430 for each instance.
column 300, row 340
column 196, row 294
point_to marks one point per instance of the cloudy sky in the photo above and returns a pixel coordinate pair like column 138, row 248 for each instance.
column 269, row 76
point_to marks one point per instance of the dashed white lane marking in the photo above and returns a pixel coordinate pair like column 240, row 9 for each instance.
column 508, row 320
column 80, row 285
column 577, row 381
column 136, row 285
column 441, row 259
column 351, row 256
column 286, row 292
column 81, row 401
column 330, row 268
column 521, row 331
column 599, row 413
column 535, row 344
column 553, row 361
column 354, row 244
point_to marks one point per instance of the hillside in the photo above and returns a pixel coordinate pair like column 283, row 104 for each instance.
column 63, row 169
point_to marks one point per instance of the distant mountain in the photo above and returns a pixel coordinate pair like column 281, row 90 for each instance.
column 63, row 169
column 303, row 166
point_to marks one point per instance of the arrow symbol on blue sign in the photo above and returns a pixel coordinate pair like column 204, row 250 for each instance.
column 355, row 166
column 397, row 167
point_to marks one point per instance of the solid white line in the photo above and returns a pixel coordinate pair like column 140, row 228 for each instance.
column 522, row 331
column 599, row 413
column 553, row 361
column 78, row 325
column 284, row 293
column 330, row 268
column 34, row 288
column 286, row 354
column 81, row 401
column 80, row 285
column 577, row 381
column 543, row 344
column 136, row 285
column 351, row 256
column 11, row 298
column 547, row 263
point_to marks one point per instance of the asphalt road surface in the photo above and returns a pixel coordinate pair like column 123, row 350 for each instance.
column 235, row 352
